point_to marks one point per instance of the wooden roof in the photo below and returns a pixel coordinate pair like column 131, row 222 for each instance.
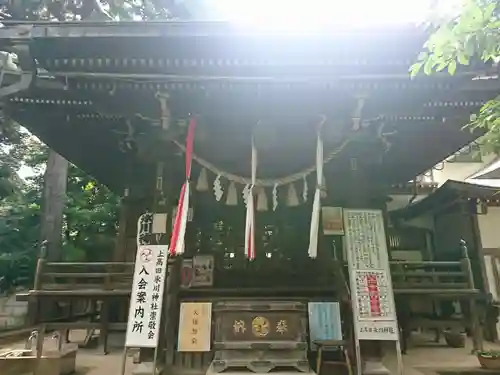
column 448, row 193
column 95, row 79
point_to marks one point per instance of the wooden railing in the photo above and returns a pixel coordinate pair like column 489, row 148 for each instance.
column 115, row 278
column 109, row 278
column 433, row 277
column 93, row 283
column 104, row 280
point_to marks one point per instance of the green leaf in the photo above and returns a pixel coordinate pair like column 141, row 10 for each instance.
column 441, row 66
column 488, row 10
column 473, row 13
column 415, row 68
column 428, row 66
column 463, row 58
column 493, row 25
column 452, row 67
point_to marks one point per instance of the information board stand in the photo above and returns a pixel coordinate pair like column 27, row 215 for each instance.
column 146, row 300
column 372, row 297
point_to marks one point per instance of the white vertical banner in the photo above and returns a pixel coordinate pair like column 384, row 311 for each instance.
column 370, row 276
column 146, row 300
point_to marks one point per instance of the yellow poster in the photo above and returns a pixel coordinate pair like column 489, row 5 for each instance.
column 195, row 326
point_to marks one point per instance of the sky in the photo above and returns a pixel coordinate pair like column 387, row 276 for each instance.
column 320, row 14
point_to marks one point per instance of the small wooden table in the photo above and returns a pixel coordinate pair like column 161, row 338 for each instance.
column 342, row 345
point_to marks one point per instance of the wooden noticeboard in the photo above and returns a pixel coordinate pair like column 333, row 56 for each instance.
column 331, row 218
column 195, row 327
column 370, row 279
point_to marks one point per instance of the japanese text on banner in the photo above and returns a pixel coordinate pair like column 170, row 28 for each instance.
column 147, row 296
column 373, row 298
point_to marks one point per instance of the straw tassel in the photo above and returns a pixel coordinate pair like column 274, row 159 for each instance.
column 232, row 195
column 261, row 200
column 292, row 200
column 202, row 184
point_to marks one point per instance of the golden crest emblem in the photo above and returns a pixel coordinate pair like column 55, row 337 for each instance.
column 260, row 326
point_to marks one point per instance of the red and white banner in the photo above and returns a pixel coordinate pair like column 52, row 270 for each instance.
column 250, row 217
column 181, row 217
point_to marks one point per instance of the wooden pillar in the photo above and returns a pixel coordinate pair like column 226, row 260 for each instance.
column 119, row 254
column 488, row 314
column 34, row 301
column 170, row 311
column 477, row 337
column 54, row 200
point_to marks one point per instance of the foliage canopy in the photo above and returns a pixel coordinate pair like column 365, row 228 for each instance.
column 90, row 216
column 472, row 33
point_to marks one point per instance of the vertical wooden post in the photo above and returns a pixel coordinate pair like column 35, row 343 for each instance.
column 104, row 320
column 38, row 273
column 34, row 302
column 489, row 329
column 477, row 337
column 170, row 307
column 119, row 254
column 54, row 200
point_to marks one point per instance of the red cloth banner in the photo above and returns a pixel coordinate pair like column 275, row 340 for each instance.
column 179, row 230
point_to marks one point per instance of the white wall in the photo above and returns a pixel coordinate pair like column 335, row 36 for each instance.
column 459, row 171
column 12, row 312
column 489, row 227
column 400, row 201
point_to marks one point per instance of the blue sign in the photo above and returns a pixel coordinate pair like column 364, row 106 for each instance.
column 324, row 321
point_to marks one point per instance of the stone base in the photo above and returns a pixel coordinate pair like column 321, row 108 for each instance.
column 211, row 371
column 374, row 367
column 146, row 368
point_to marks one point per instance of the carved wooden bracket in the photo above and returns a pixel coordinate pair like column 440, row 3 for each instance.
column 27, row 70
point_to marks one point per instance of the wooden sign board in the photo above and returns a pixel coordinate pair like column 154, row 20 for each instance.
column 195, row 327
column 147, row 296
column 332, row 221
column 324, row 321
column 203, row 271
column 371, row 285
column 186, row 273
column 370, row 279
column 255, row 326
